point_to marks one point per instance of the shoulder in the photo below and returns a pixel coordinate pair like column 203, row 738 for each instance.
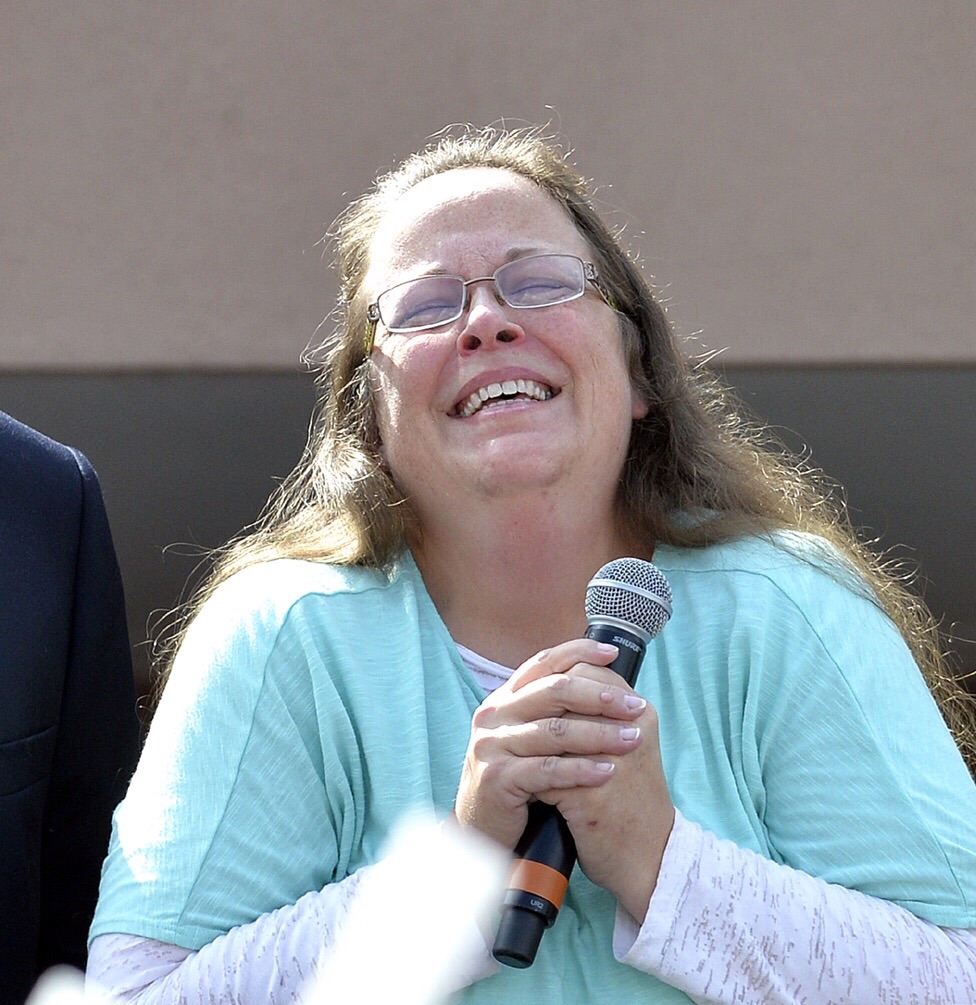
column 277, row 586
column 51, row 504
column 789, row 567
column 766, row 600
column 285, row 627
column 256, row 608
column 785, row 622
column 783, row 630
column 21, row 445
column 778, row 550
column 34, row 465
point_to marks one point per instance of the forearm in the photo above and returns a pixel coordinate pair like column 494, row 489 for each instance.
column 368, row 930
column 269, row 959
column 727, row 925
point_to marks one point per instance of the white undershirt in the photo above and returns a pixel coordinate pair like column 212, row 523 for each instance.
column 488, row 674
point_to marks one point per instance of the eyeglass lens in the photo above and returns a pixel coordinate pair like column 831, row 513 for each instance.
column 430, row 301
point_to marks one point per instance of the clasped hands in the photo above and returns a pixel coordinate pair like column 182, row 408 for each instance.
column 568, row 731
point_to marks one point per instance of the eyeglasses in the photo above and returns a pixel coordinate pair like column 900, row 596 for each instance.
column 431, row 301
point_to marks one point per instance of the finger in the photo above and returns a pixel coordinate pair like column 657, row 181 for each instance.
column 561, row 736
column 562, row 658
column 554, row 774
column 557, row 694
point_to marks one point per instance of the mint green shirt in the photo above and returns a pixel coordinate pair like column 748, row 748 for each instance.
column 311, row 706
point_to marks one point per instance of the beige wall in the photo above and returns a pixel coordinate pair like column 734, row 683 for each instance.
column 798, row 176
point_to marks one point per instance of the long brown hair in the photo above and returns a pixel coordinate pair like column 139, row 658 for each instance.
column 698, row 470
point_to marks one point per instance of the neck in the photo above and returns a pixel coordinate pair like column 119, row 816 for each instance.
column 510, row 578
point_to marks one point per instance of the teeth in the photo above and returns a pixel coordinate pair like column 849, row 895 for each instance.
column 530, row 388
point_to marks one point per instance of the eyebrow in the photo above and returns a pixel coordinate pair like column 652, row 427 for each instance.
column 526, row 252
column 512, row 255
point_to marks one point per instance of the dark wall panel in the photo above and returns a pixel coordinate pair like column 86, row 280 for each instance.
column 187, row 460
column 902, row 443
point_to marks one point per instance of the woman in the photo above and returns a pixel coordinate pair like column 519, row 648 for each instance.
column 505, row 409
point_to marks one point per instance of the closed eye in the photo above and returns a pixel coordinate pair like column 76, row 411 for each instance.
column 543, row 290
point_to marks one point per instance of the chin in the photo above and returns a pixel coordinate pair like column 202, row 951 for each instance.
column 503, row 475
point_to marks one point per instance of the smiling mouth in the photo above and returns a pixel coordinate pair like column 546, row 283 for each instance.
column 507, row 390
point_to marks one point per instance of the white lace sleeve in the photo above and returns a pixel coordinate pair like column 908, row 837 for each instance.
column 269, row 960
column 727, row 925
column 363, row 932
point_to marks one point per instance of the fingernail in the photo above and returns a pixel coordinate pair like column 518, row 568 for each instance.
column 634, row 701
column 604, row 766
column 629, row 732
column 606, row 647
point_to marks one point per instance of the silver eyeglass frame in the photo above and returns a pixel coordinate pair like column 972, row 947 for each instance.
column 590, row 275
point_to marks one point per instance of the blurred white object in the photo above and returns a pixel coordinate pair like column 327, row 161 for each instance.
column 60, row 986
column 424, row 911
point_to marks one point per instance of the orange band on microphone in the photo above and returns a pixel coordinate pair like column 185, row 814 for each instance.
column 542, row 880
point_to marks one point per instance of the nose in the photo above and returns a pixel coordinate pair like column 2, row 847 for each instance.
column 488, row 321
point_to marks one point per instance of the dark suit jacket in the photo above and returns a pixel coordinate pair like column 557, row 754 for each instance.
column 68, row 724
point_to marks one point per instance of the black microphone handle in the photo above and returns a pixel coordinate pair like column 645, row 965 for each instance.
column 544, row 860
column 631, row 647
column 546, row 852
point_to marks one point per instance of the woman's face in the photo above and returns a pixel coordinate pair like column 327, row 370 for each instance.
column 567, row 428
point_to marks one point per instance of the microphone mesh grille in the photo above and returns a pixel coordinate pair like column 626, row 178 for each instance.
column 630, row 590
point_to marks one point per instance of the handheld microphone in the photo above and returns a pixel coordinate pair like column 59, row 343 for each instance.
column 627, row 603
